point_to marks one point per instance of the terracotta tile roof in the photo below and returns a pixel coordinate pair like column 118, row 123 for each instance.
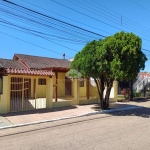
column 144, row 74
column 37, row 62
column 16, row 67
column 7, row 63
column 29, row 72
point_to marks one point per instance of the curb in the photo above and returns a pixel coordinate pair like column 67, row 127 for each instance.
column 75, row 116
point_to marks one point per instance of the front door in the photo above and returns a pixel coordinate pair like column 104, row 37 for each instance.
column 68, row 86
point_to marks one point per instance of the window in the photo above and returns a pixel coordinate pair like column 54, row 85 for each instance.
column 42, row 81
column 1, row 85
column 82, row 82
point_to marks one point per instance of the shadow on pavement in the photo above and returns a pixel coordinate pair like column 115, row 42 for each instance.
column 140, row 112
column 39, row 111
column 113, row 106
column 139, row 100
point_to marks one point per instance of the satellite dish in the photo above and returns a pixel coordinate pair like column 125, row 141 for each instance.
column 92, row 82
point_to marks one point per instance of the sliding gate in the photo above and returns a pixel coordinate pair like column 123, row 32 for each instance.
column 21, row 97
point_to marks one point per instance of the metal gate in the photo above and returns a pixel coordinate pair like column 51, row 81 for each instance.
column 68, row 86
column 20, row 94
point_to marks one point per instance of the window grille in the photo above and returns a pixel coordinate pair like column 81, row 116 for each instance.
column 41, row 81
column 82, row 83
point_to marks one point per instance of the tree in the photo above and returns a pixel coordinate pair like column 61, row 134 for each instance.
column 117, row 57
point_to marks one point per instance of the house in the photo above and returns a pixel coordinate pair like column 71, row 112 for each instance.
column 32, row 82
column 142, row 82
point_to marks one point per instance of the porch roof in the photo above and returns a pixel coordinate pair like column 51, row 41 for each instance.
column 29, row 72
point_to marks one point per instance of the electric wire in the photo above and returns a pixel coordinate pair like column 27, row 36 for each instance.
column 104, row 36
column 33, row 44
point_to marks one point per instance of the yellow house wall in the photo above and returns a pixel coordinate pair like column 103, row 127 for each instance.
column 47, row 91
column 61, row 84
column 5, row 96
column 82, row 90
column 40, row 89
column 113, row 93
column 54, row 83
column 73, row 88
column 93, row 91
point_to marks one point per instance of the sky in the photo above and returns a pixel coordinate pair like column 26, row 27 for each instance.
column 51, row 28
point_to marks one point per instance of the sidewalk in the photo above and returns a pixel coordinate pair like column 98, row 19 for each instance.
column 35, row 116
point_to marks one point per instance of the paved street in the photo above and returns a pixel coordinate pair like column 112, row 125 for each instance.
column 127, row 130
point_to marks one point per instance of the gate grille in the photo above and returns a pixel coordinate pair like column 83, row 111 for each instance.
column 16, row 94
column 20, row 94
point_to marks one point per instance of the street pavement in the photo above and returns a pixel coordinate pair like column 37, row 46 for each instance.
column 123, row 130
column 46, row 115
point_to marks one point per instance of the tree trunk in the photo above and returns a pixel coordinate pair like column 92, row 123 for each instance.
column 106, row 100
column 131, row 90
column 100, row 87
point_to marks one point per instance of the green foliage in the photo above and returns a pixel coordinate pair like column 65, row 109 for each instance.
column 116, row 57
column 74, row 74
column 136, row 94
column 86, row 62
column 128, row 59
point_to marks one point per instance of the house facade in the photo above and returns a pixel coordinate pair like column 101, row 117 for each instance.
column 32, row 82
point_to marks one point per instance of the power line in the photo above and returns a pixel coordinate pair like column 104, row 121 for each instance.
column 46, row 48
column 97, row 6
column 65, row 22
column 36, row 34
column 38, row 23
column 140, row 5
column 65, row 17
column 123, row 17
column 89, row 9
column 125, row 24
column 86, row 15
column 52, row 18
column 91, row 17
column 33, row 44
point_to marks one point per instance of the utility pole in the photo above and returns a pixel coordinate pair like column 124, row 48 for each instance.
column 121, row 20
column 131, row 90
column 144, row 89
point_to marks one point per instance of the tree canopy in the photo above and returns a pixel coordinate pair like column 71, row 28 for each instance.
column 117, row 57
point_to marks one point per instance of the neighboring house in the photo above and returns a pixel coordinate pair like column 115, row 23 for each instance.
column 143, row 75
column 142, row 82
column 32, row 82
column 143, row 78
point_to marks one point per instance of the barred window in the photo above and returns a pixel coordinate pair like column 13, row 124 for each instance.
column 41, row 81
column 82, row 83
